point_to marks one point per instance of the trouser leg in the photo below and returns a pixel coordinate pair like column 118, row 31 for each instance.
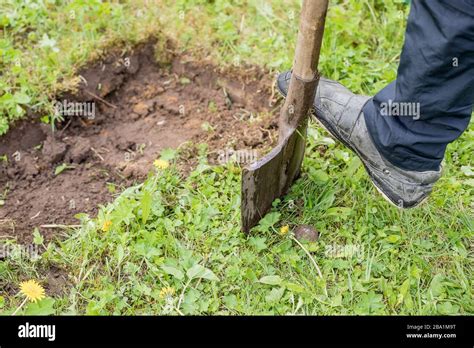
column 412, row 120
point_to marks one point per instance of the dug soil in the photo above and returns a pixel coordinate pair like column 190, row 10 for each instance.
column 140, row 107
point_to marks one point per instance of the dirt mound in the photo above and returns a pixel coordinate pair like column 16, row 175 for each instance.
column 128, row 108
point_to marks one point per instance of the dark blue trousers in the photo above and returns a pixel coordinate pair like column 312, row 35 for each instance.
column 413, row 119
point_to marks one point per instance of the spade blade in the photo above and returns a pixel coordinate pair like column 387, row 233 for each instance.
column 270, row 177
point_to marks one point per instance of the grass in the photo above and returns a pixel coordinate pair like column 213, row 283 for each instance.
column 172, row 245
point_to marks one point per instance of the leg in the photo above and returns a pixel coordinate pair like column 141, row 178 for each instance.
column 435, row 84
column 401, row 134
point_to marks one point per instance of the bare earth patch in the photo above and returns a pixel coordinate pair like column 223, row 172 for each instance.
column 141, row 108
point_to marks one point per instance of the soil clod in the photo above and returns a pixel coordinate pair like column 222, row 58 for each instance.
column 306, row 233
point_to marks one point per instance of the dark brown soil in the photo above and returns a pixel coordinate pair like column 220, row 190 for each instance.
column 140, row 109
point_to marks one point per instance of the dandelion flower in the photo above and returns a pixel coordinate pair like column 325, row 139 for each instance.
column 106, row 226
column 161, row 164
column 32, row 290
column 166, row 292
column 284, row 230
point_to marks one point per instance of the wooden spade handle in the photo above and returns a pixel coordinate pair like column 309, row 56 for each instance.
column 305, row 75
column 310, row 37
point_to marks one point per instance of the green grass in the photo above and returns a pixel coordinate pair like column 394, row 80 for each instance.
column 44, row 42
column 183, row 233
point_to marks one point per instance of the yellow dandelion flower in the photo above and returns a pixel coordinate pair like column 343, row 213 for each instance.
column 32, row 290
column 161, row 164
column 166, row 292
column 284, row 230
column 106, row 226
